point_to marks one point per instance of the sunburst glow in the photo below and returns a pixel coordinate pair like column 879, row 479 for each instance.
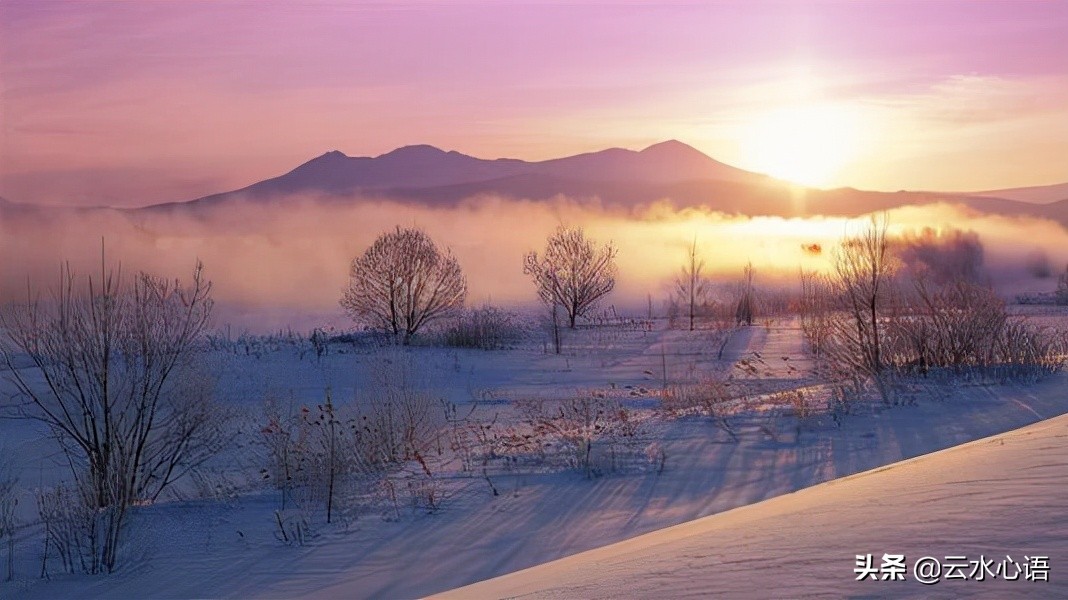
column 808, row 143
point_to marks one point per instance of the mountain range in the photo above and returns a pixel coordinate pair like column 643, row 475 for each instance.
column 615, row 177
column 433, row 175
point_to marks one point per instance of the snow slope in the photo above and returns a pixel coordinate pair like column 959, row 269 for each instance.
column 1003, row 496
column 226, row 547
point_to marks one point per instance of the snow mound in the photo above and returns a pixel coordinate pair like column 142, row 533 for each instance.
column 999, row 499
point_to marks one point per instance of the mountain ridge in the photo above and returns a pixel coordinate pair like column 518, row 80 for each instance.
column 670, row 171
column 425, row 166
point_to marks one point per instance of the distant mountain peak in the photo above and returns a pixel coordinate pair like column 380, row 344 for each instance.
column 334, row 156
column 415, row 151
column 669, row 145
column 672, row 147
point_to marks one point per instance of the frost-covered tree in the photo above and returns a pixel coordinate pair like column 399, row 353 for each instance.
column 402, row 282
column 862, row 283
column 862, row 274
column 114, row 377
column 690, row 284
column 743, row 312
column 574, row 272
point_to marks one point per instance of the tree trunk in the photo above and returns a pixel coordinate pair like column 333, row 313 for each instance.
column 556, row 330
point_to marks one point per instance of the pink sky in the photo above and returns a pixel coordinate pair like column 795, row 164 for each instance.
column 129, row 103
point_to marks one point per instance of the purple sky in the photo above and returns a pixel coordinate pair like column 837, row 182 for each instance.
column 130, row 103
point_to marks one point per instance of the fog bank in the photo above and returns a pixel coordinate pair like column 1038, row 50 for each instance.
column 286, row 263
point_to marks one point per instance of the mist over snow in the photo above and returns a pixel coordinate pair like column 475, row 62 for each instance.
column 285, row 263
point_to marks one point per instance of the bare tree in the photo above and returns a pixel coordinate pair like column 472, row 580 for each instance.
column 744, row 311
column 113, row 376
column 402, row 282
column 862, row 271
column 861, row 279
column 690, row 284
column 574, row 272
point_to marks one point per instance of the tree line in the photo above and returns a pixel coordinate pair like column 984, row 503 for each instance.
column 403, row 281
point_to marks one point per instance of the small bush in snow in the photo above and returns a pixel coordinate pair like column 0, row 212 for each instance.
column 716, row 399
column 397, row 418
column 391, row 438
column 75, row 529
column 311, row 458
column 8, row 502
column 593, row 432
column 965, row 328
column 486, row 328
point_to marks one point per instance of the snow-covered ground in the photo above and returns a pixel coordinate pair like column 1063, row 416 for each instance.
column 1000, row 499
column 225, row 546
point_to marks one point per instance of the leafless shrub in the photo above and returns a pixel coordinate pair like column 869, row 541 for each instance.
column 485, row 328
column 816, row 309
column 293, row 525
column 403, row 282
column 708, row 313
column 877, row 330
column 401, row 431
column 213, row 484
column 122, row 395
column 477, row 443
column 593, row 431
column 803, row 406
column 312, row 458
column 964, row 328
column 657, row 456
column 285, row 438
column 862, row 285
column 392, row 440
column 320, row 342
column 76, row 530
column 397, row 417
column 8, row 502
column 1026, row 351
column 426, row 492
column 259, row 345
column 415, row 484
column 716, row 399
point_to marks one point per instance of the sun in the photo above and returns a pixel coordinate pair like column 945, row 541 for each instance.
column 806, row 143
